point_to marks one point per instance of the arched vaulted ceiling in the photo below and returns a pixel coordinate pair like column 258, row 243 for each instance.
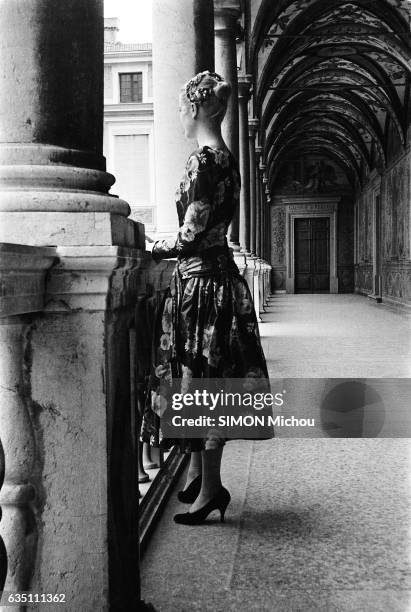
column 330, row 78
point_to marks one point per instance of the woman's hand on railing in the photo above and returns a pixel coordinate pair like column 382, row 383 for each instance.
column 149, row 243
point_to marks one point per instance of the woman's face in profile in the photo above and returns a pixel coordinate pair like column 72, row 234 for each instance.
column 186, row 118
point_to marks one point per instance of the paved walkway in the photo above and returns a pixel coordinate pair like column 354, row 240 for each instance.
column 335, row 336
column 315, row 524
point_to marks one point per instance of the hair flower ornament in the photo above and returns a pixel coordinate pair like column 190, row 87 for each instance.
column 197, row 94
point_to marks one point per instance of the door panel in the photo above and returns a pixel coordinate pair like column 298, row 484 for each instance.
column 303, row 255
column 312, row 257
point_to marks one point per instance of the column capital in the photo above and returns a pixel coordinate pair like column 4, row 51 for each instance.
column 253, row 125
column 244, row 86
column 259, row 150
column 228, row 7
column 226, row 14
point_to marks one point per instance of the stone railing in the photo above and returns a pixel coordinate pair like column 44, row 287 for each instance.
column 23, row 272
column 257, row 273
column 69, row 419
column 69, row 495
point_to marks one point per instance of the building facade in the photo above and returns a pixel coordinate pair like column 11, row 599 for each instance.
column 128, row 122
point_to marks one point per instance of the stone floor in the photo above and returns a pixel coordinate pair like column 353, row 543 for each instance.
column 321, row 335
column 315, row 523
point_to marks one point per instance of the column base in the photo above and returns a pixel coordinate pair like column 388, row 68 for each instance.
column 333, row 284
column 375, row 297
column 241, row 262
column 377, row 287
column 250, row 273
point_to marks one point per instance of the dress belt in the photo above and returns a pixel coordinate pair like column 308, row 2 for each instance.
column 215, row 260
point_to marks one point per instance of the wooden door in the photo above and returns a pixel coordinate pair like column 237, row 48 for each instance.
column 312, row 255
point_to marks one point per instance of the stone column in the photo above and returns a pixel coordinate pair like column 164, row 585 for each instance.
column 183, row 44
column 264, row 248
column 252, row 130
column 262, row 235
column 263, row 210
column 257, row 221
column 258, row 217
column 227, row 13
column 268, row 248
column 244, row 83
column 267, row 224
column 51, row 123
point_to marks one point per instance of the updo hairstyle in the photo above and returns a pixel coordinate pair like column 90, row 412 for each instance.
column 209, row 90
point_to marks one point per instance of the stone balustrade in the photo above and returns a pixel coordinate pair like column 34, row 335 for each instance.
column 66, row 421
column 23, row 272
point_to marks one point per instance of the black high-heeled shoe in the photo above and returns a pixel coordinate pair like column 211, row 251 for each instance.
column 189, row 495
column 218, row 502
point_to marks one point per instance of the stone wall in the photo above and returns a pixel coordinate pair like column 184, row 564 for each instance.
column 345, row 247
column 393, row 244
column 395, row 195
column 364, row 242
column 278, row 248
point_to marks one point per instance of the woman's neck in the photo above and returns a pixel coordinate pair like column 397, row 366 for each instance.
column 210, row 136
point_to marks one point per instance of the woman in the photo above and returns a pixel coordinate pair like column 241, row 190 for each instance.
column 207, row 325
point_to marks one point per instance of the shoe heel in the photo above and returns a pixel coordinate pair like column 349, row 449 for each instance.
column 218, row 502
column 223, row 507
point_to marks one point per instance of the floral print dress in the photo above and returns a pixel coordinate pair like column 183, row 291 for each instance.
column 206, row 326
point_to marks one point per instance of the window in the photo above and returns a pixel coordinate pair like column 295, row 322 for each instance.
column 131, row 87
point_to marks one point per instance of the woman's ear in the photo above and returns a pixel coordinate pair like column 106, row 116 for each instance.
column 194, row 110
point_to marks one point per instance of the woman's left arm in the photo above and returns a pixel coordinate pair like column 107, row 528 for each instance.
column 198, row 187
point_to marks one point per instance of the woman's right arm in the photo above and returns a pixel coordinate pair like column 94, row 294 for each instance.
column 197, row 214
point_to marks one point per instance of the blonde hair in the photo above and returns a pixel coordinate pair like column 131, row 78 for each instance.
column 209, row 90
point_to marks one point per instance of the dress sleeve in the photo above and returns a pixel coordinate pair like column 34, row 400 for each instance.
column 197, row 185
